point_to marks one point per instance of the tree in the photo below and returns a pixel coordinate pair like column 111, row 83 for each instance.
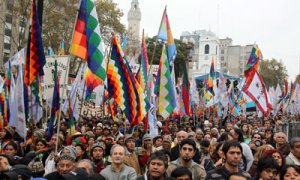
column 59, row 21
column 273, row 72
column 181, row 58
column 110, row 19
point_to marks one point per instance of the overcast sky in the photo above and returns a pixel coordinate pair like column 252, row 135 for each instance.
column 274, row 25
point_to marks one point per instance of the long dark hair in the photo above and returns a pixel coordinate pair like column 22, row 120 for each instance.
column 284, row 170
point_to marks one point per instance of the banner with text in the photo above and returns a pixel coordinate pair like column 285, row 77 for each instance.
column 62, row 71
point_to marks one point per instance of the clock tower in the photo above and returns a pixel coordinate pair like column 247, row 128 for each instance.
column 133, row 31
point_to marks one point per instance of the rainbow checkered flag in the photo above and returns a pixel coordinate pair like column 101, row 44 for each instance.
column 144, row 65
column 88, row 45
column 164, row 87
column 124, row 88
column 165, row 35
column 35, row 58
column 253, row 61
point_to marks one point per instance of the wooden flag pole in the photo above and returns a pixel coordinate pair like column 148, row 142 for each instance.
column 82, row 94
column 59, row 114
column 153, row 53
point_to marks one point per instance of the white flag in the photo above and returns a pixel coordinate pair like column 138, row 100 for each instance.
column 255, row 89
column 77, row 88
column 17, row 118
column 17, row 59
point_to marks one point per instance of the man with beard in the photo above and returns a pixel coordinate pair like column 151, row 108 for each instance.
column 233, row 155
column 97, row 152
column 181, row 135
column 187, row 150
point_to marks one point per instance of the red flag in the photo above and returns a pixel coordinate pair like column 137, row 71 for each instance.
column 185, row 91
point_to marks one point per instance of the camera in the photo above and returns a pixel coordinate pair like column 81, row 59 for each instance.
column 257, row 143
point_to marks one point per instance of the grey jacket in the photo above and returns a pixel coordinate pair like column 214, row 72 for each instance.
column 126, row 173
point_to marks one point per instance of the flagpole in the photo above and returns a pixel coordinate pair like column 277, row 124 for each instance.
column 59, row 114
column 82, row 94
column 31, row 109
column 107, row 62
column 46, row 113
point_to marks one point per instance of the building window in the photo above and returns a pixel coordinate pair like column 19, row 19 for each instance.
column 6, row 57
column 222, row 58
column 222, row 51
column 206, row 49
column 6, row 39
column 8, row 32
column 6, row 46
column 8, row 18
column 216, row 50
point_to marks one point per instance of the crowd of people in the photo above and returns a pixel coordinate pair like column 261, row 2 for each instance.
column 184, row 149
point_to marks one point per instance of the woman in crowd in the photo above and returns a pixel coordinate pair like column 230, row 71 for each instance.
column 218, row 155
column 290, row 172
column 267, row 169
column 80, row 153
column 6, row 137
column 246, row 132
column 277, row 155
column 257, row 156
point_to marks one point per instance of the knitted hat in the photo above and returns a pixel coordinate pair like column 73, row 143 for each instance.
column 109, row 137
column 10, row 130
column 90, row 134
column 147, row 137
column 36, row 166
column 168, row 139
column 128, row 138
column 106, row 127
column 67, row 156
column 39, row 133
column 96, row 145
column 72, row 149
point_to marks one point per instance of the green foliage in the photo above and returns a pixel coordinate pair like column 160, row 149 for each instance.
column 181, row 58
column 110, row 19
column 273, row 72
column 60, row 16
